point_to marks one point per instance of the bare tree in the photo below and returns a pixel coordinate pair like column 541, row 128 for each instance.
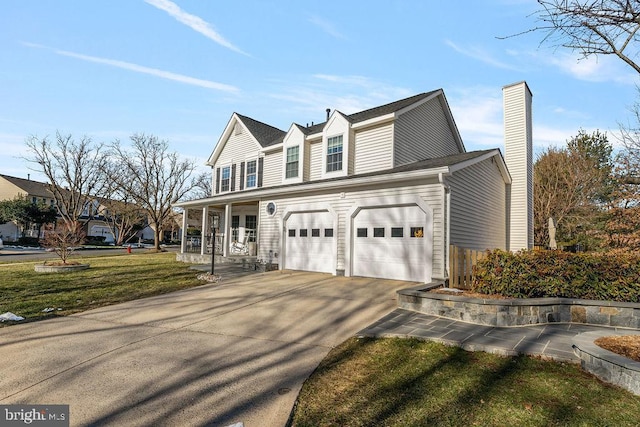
column 74, row 170
column 153, row 177
column 571, row 185
column 123, row 216
column 202, row 187
column 593, row 27
column 64, row 241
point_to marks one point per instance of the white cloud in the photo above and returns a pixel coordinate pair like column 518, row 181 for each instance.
column 348, row 94
column 478, row 112
column 480, row 55
column 194, row 22
column 327, row 27
column 591, row 69
column 208, row 84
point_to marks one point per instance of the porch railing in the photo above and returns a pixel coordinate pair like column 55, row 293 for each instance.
column 194, row 244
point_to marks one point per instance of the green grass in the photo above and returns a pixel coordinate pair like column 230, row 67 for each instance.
column 110, row 280
column 407, row 382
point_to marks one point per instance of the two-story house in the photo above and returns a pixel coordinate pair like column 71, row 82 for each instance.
column 12, row 187
column 380, row 193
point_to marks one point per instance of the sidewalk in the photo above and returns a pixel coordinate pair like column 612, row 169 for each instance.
column 552, row 341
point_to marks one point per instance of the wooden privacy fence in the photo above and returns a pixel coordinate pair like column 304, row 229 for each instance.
column 461, row 262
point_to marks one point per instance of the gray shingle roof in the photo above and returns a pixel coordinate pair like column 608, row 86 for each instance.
column 268, row 135
column 33, row 188
column 388, row 108
column 265, row 134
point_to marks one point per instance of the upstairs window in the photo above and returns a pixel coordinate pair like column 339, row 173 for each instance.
column 225, row 179
column 252, row 174
column 334, row 153
column 293, row 156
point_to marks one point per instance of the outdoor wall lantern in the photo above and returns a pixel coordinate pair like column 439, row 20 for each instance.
column 215, row 220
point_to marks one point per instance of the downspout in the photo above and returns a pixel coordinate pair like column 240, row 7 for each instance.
column 446, row 211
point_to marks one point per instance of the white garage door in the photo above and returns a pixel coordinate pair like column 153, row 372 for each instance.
column 390, row 243
column 310, row 242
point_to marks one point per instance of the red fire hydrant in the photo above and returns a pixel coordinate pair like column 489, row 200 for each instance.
column 129, row 249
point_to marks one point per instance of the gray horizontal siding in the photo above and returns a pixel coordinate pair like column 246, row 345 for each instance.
column 373, row 149
column 423, row 133
column 272, row 173
column 478, row 207
column 315, row 160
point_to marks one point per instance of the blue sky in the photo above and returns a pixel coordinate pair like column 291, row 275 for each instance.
column 179, row 69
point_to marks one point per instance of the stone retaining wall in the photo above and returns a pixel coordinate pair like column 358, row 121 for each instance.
column 607, row 366
column 515, row 312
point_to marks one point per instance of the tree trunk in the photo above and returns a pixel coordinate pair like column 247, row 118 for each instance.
column 156, row 236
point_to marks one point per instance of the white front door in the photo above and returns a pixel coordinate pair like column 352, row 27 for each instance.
column 390, row 243
column 310, row 242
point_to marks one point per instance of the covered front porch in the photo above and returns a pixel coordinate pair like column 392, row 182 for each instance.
column 228, row 230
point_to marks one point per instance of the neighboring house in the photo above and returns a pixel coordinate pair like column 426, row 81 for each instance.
column 380, row 193
column 38, row 192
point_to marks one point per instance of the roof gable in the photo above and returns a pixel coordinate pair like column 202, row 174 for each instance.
column 262, row 134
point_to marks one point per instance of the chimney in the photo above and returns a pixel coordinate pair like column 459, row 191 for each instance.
column 328, row 113
column 28, row 177
column 518, row 153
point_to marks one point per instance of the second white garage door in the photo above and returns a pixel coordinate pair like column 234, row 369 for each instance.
column 390, row 243
column 309, row 239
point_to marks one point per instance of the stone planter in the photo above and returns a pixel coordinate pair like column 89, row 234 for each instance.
column 607, row 366
column 518, row 312
column 50, row 268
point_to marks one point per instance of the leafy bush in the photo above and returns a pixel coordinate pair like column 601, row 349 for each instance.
column 536, row 274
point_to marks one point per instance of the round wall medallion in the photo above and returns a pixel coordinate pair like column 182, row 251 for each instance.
column 271, row 208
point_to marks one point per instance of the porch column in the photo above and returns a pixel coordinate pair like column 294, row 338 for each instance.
column 227, row 229
column 205, row 230
column 183, row 239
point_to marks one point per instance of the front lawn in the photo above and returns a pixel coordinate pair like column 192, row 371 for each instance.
column 110, row 280
column 407, row 382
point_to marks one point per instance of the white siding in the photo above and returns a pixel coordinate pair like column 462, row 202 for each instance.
column 306, row 162
column 315, row 160
column 272, row 172
column 478, row 207
column 519, row 160
column 423, row 133
column 270, row 233
column 373, row 149
column 237, row 149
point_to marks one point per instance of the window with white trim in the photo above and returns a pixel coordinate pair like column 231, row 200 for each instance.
column 252, row 174
column 293, row 157
column 225, row 179
column 334, row 153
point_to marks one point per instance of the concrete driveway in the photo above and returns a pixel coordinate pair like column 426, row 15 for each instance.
column 220, row 354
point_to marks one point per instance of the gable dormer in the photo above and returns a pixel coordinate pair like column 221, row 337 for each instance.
column 337, row 146
column 294, row 152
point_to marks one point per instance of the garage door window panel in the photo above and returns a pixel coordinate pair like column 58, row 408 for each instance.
column 392, row 249
column 362, row 232
column 315, row 232
column 303, row 232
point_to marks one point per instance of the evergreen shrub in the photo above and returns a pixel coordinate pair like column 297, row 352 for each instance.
column 537, row 274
